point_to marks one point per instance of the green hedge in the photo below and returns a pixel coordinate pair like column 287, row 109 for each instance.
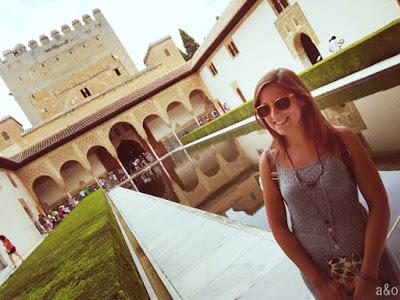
column 85, row 257
column 243, row 130
column 373, row 48
column 377, row 46
column 231, row 117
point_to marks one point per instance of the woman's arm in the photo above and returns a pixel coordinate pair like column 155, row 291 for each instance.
column 371, row 187
column 276, row 214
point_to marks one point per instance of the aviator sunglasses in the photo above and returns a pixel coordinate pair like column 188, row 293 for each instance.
column 281, row 103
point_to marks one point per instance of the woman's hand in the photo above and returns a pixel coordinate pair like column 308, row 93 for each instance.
column 362, row 290
column 329, row 290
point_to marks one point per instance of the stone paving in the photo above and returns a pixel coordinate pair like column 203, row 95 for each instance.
column 199, row 255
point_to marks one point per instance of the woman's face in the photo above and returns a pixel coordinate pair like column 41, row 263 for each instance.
column 281, row 121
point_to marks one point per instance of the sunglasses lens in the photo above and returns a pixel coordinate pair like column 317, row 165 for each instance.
column 283, row 103
column 263, row 111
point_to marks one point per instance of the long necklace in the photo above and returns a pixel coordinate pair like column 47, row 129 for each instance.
column 330, row 225
column 312, row 183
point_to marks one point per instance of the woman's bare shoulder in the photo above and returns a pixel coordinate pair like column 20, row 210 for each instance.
column 264, row 161
column 345, row 132
column 348, row 136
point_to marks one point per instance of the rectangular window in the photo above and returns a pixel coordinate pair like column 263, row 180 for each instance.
column 26, row 208
column 240, row 94
column 213, row 69
column 280, row 5
column 233, row 50
column 166, row 52
column 12, row 180
column 117, row 71
column 85, row 92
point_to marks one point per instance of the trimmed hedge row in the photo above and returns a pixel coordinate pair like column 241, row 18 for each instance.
column 226, row 136
column 231, row 117
column 85, row 257
column 373, row 48
column 377, row 46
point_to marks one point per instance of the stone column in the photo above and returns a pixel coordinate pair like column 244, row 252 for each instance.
column 217, row 106
column 94, row 177
column 176, row 136
column 126, row 172
column 180, row 144
column 106, row 143
column 157, row 158
column 39, row 206
column 195, row 118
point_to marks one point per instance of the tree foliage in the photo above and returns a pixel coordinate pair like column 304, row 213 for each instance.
column 189, row 43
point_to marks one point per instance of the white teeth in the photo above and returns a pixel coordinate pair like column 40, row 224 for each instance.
column 281, row 122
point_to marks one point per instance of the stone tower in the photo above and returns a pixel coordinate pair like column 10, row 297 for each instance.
column 71, row 67
column 165, row 52
column 296, row 31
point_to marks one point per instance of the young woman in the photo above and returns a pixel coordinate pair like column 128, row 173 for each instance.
column 10, row 249
column 338, row 246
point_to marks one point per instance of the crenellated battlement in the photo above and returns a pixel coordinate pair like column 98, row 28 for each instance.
column 56, row 38
column 60, row 69
column 3, row 118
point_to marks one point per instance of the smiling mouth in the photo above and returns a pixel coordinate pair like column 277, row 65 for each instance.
column 281, row 122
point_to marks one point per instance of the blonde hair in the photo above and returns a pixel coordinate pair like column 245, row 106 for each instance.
column 314, row 122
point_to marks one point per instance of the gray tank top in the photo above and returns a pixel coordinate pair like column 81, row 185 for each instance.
column 349, row 216
column 335, row 191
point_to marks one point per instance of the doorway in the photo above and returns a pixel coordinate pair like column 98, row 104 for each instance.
column 311, row 50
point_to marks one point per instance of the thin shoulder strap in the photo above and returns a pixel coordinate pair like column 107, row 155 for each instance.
column 274, row 173
column 272, row 165
column 345, row 156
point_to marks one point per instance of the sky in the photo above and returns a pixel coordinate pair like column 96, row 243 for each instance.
column 137, row 23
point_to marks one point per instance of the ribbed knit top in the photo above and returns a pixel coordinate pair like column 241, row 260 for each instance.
column 335, row 191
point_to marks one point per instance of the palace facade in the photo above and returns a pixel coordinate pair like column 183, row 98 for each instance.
column 94, row 112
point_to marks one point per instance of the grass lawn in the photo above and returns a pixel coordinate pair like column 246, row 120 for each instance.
column 85, row 257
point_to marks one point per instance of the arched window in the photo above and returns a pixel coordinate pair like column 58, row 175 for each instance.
column 12, row 180
column 5, row 136
column 280, row 5
column 167, row 52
